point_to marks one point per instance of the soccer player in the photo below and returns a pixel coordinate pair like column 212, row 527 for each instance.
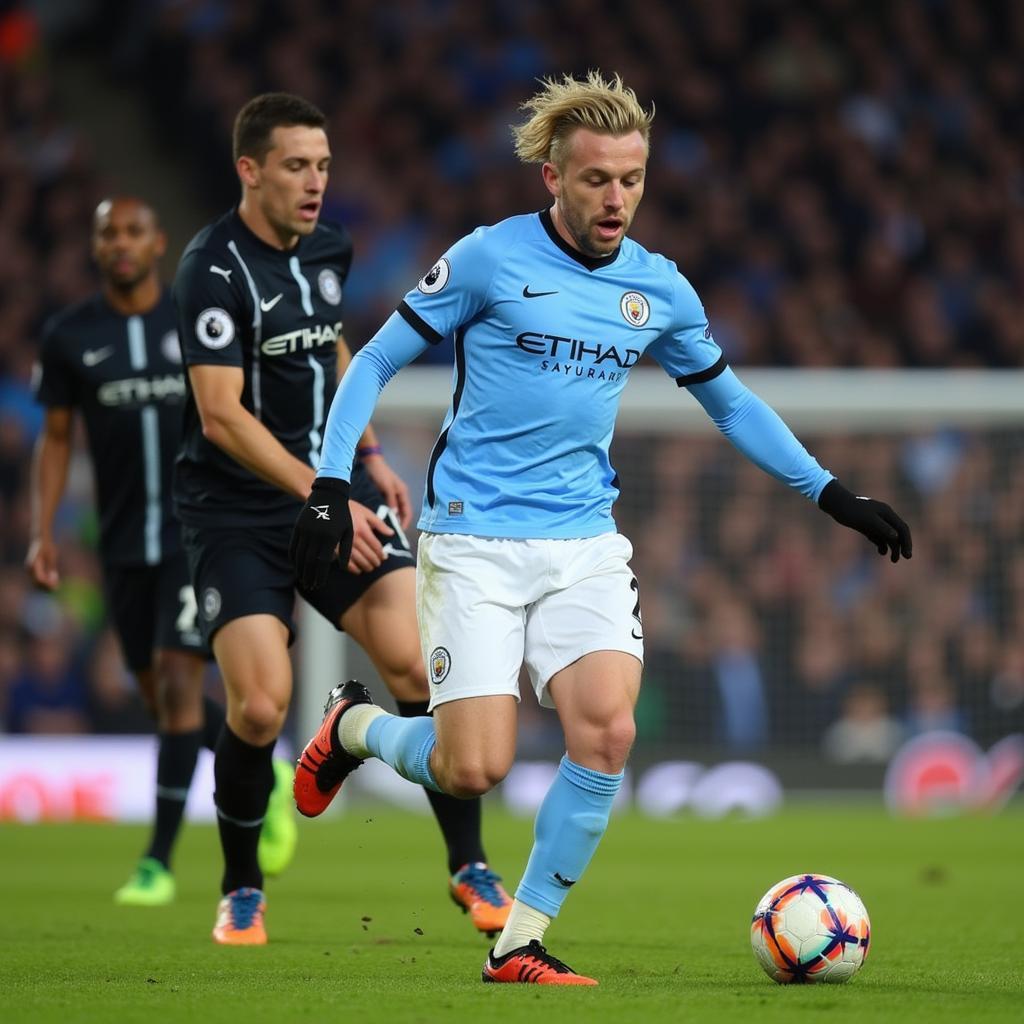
column 116, row 358
column 519, row 559
column 259, row 303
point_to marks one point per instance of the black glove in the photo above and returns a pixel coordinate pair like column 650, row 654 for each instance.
column 873, row 518
column 324, row 524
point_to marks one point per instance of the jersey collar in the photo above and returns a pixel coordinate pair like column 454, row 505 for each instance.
column 258, row 242
column 590, row 262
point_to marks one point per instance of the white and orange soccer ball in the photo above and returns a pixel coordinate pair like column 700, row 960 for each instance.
column 810, row 928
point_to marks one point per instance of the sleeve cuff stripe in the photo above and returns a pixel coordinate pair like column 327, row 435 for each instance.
column 418, row 324
column 704, row 375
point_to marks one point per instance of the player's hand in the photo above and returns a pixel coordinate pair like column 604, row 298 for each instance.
column 392, row 486
column 367, row 550
column 41, row 563
column 323, row 526
column 876, row 520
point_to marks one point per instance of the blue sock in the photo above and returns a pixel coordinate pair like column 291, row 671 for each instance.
column 405, row 744
column 569, row 825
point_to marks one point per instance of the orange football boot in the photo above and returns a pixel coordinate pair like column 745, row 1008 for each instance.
column 324, row 764
column 477, row 889
column 240, row 918
column 531, row 965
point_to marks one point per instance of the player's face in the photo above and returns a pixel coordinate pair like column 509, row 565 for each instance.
column 126, row 242
column 289, row 185
column 597, row 190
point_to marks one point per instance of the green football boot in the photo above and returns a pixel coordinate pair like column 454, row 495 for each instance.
column 151, row 885
column 279, row 833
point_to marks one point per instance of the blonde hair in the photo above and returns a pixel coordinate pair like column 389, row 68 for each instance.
column 563, row 105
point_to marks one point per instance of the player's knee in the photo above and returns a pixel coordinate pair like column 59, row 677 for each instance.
column 611, row 742
column 180, row 697
column 471, row 779
column 406, row 679
column 148, row 691
column 259, row 718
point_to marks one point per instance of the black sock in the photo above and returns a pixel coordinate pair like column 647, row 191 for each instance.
column 244, row 777
column 175, row 763
column 459, row 819
column 213, row 722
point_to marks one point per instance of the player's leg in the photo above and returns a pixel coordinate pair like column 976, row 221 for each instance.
column 133, row 601
column 594, row 609
column 595, row 699
column 471, row 625
column 383, row 622
column 244, row 587
column 177, row 681
column 178, row 665
column 252, row 653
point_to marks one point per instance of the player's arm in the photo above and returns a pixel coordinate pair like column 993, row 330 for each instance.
column 388, row 482
column 325, row 522
column 452, row 292
column 50, row 459
column 760, row 434
column 689, row 353
column 232, row 428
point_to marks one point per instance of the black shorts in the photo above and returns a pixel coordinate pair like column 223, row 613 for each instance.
column 245, row 571
column 153, row 607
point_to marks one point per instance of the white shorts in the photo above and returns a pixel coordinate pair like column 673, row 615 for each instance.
column 486, row 606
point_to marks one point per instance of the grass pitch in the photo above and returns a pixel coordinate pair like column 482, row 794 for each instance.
column 362, row 931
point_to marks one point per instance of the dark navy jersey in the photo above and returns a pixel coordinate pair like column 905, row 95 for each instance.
column 277, row 316
column 124, row 374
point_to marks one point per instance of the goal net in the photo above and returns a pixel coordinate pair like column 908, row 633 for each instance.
column 772, row 633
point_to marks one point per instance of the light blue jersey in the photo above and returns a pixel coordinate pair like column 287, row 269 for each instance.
column 545, row 338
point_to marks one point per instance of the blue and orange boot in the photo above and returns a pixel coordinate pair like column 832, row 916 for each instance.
column 531, row 965
column 478, row 890
column 324, row 764
column 240, row 918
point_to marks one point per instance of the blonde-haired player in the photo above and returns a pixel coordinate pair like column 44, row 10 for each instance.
column 519, row 558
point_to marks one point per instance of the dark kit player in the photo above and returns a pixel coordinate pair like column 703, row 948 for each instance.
column 259, row 303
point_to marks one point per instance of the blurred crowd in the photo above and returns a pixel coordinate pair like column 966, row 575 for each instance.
column 766, row 624
column 842, row 182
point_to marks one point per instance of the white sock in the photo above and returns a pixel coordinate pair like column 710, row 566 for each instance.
column 353, row 725
column 524, row 923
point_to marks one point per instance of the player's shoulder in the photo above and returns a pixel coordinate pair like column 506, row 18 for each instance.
column 658, row 270
column 490, row 244
column 653, row 263
column 329, row 238
column 523, row 227
column 71, row 319
column 212, row 241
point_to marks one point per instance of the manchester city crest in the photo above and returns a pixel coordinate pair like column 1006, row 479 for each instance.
column 211, row 603
column 440, row 664
column 329, row 286
column 636, row 310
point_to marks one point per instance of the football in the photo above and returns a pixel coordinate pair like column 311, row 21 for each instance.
column 809, row 929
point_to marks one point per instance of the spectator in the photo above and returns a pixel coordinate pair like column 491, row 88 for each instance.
column 866, row 733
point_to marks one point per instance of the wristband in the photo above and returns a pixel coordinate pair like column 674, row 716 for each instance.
column 367, row 450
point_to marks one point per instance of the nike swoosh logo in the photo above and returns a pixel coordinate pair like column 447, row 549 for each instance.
column 268, row 304
column 93, row 356
column 226, row 274
column 527, row 294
